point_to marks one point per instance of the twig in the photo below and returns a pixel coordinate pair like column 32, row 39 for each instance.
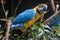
column 3, row 2
column 3, row 38
column 3, row 6
column 8, row 23
column 6, row 12
column 12, row 7
column 55, row 15
column 58, row 2
column 52, row 5
column 17, row 7
column 8, row 29
column 42, row 16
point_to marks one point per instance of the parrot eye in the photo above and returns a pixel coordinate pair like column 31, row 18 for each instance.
column 44, row 9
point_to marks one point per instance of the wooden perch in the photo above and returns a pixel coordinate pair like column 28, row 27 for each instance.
column 6, row 37
column 8, row 29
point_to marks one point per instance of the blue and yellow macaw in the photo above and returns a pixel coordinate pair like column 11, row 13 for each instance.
column 28, row 17
column 55, row 22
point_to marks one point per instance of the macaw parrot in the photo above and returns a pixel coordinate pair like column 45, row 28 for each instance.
column 28, row 17
column 55, row 22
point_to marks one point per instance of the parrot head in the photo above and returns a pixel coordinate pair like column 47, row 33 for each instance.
column 41, row 8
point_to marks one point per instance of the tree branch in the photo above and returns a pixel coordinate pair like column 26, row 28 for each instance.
column 50, row 19
column 8, row 29
column 17, row 7
column 52, row 5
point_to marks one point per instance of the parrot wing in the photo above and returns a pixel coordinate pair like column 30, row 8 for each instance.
column 24, row 16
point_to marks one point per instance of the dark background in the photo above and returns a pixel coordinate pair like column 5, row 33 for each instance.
column 25, row 4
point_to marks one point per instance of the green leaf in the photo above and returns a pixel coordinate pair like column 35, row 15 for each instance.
column 35, row 26
column 59, row 23
column 56, row 28
column 42, row 25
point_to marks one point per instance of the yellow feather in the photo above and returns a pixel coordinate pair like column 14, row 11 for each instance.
column 31, row 22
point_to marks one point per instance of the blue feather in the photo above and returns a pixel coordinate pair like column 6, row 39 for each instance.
column 22, row 18
column 17, row 25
